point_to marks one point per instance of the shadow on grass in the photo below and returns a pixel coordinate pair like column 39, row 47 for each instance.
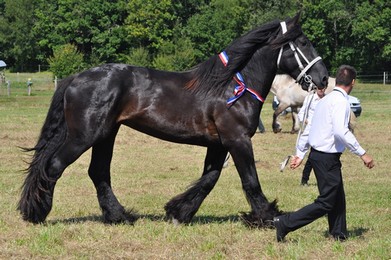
column 91, row 218
column 213, row 219
column 196, row 220
column 355, row 233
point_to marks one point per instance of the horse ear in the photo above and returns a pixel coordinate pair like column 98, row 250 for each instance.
column 296, row 19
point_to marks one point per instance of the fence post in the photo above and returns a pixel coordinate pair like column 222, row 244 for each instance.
column 55, row 82
column 9, row 87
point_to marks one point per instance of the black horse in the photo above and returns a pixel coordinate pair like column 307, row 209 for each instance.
column 189, row 107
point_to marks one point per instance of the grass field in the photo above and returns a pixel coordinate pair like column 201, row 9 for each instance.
column 147, row 172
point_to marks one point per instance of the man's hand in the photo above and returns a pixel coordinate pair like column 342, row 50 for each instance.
column 368, row 161
column 296, row 161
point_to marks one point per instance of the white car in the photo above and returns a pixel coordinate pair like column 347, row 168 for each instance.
column 355, row 105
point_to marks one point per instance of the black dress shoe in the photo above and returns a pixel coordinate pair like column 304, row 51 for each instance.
column 280, row 230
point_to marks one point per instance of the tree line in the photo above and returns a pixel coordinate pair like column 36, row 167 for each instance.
column 70, row 35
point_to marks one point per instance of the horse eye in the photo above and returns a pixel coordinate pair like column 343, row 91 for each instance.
column 303, row 43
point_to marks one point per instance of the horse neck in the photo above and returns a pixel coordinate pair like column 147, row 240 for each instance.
column 261, row 70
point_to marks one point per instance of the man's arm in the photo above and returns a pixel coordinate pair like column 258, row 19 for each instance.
column 341, row 128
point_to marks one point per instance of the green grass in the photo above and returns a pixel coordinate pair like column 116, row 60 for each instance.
column 147, row 172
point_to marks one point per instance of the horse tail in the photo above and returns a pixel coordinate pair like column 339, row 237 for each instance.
column 37, row 189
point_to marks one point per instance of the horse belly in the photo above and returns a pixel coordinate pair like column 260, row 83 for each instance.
column 172, row 124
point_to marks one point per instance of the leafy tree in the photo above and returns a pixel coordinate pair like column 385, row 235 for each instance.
column 138, row 56
column 66, row 60
column 326, row 23
column 184, row 10
column 260, row 12
column 176, row 34
column 215, row 26
column 95, row 27
column 150, row 23
column 17, row 42
column 2, row 7
column 371, row 34
column 44, row 29
column 176, row 56
column 355, row 32
column 156, row 25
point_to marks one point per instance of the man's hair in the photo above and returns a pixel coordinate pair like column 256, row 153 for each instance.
column 345, row 75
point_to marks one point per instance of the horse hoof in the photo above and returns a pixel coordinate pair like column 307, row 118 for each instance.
column 277, row 130
column 120, row 217
column 253, row 221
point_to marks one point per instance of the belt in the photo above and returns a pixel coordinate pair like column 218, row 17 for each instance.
column 317, row 151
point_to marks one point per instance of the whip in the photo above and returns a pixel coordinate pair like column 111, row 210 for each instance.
column 285, row 162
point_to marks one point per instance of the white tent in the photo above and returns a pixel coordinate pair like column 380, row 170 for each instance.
column 2, row 64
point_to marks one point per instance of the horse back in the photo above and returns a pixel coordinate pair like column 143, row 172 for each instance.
column 151, row 101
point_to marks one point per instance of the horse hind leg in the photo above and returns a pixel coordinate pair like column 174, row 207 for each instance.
column 295, row 121
column 38, row 188
column 276, row 125
column 183, row 207
column 99, row 172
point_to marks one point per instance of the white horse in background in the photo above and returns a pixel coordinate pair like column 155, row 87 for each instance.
column 290, row 94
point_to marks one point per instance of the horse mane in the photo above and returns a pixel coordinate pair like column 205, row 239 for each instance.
column 212, row 77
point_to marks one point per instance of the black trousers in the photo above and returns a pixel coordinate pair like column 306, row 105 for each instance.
column 331, row 199
column 306, row 171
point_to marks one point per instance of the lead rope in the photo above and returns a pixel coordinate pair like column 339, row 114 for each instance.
column 284, row 163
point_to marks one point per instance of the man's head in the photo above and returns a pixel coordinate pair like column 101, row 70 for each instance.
column 346, row 77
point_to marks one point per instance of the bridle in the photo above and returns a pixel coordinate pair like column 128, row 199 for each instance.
column 302, row 78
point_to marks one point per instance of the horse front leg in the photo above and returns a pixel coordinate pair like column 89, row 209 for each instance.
column 276, row 125
column 262, row 212
column 183, row 207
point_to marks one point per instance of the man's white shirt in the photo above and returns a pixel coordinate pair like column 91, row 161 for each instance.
column 328, row 128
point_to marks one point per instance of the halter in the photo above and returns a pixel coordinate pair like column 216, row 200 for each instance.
column 296, row 51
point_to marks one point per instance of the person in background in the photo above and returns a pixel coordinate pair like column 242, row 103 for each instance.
column 305, row 114
column 329, row 135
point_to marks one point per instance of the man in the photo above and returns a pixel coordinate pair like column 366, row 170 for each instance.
column 329, row 135
column 305, row 114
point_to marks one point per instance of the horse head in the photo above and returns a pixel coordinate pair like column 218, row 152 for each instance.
column 297, row 56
